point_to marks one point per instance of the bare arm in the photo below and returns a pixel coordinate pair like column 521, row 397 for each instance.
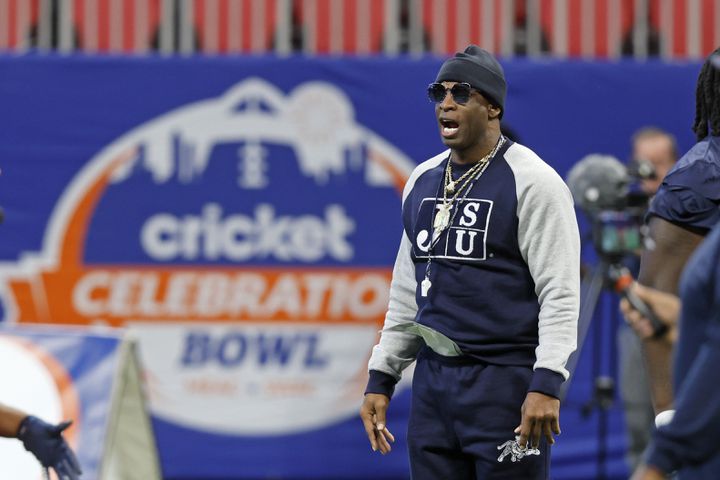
column 10, row 419
column 660, row 268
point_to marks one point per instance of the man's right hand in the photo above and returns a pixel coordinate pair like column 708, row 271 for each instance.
column 372, row 413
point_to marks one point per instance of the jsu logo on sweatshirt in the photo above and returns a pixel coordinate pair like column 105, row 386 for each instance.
column 465, row 237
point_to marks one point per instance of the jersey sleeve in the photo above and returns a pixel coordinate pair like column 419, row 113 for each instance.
column 685, row 207
column 690, row 195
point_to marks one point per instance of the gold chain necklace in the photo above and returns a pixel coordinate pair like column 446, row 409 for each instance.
column 442, row 217
column 450, row 183
column 443, row 212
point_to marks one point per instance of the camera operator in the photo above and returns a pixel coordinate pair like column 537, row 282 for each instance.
column 654, row 152
column 655, row 149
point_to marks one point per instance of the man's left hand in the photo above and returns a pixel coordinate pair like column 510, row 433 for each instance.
column 540, row 416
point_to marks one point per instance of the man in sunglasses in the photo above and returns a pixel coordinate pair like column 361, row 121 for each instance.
column 485, row 294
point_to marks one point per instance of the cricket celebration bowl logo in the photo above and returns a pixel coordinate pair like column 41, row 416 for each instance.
column 246, row 241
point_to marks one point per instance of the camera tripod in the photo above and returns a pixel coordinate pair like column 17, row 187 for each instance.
column 597, row 293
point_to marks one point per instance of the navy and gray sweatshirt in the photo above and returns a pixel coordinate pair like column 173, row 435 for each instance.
column 505, row 274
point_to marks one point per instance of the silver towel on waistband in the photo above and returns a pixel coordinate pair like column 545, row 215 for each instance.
column 438, row 342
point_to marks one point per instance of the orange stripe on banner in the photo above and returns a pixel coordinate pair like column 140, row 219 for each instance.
column 112, row 295
column 399, row 177
column 22, row 293
column 73, row 243
column 33, row 295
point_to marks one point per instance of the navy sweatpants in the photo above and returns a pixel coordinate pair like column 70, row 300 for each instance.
column 461, row 412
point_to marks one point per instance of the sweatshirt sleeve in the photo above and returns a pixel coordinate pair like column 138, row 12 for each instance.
column 396, row 350
column 550, row 245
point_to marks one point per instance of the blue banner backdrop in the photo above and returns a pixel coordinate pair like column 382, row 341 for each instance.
column 241, row 215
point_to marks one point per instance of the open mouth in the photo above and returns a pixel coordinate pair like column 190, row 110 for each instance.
column 449, row 127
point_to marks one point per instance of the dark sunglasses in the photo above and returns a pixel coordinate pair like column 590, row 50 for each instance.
column 460, row 92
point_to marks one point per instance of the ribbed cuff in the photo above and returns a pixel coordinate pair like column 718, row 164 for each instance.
column 547, row 382
column 381, row 382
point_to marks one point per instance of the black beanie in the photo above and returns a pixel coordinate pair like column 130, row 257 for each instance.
column 480, row 69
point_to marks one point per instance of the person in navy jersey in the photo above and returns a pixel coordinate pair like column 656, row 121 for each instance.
column 43, row 440
column 484, row 294
column 657, row 148
column 688, row 443
column 684, row 210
